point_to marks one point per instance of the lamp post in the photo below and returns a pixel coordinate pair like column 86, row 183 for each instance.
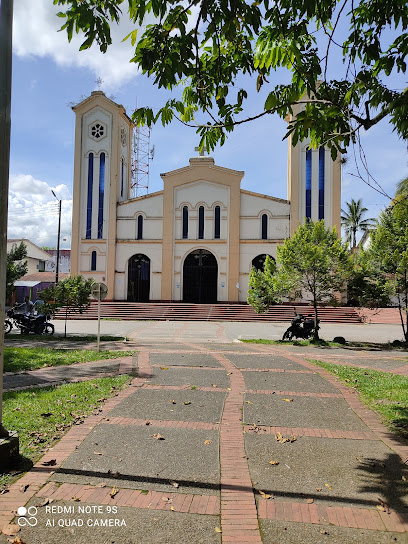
column 58, row 239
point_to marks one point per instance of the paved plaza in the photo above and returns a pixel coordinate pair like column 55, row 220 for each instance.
column 217, row 441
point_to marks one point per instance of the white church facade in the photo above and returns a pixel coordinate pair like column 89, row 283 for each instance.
column 197, row 239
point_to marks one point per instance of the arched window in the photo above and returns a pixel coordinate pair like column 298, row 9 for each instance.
column 101, row 194
column 93, row 260
column 259, row 261
column 321, row 183
column 201, row 222
column 308, row 184
column 89, row 201
column 185, row 222
column 140, row 227
column 217, row 222
column 264, row 226
column 122, row 177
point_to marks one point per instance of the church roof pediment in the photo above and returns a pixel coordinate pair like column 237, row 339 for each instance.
column 202, row 169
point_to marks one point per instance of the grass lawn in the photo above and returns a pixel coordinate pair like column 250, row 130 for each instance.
column 371, row 346
column 42, row 415
column 17, row 359
column 383, row 392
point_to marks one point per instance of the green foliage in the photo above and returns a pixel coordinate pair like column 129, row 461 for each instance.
column 260, row 292
column 207, row 46
column 353, row 220
column 16, row 266
column 388, row 254
column 73, row 292
column 368, row 287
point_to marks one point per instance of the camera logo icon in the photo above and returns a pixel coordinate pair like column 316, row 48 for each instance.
column 27, row 516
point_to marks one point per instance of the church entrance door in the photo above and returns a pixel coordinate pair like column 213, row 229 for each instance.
column 200, row 274
column 138, row 278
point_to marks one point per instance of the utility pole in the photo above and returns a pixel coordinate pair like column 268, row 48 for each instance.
column 58, row 239
column 8, row 443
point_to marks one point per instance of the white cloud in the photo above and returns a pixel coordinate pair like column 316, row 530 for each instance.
column 33, row 211
column 35, row 33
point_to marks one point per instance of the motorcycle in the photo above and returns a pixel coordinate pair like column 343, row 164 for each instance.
column 301, row 327
column 34, row 322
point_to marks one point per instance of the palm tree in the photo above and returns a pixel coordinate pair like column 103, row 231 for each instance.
column 402, row 187
column 353, row 221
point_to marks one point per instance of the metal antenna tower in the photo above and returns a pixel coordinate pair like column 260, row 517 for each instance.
column 141, row 157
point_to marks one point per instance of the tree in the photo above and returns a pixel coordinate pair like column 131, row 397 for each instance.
column 313, row 263
column 16, row 266
column 207, row 46
column 388, row 254
column 260, row 292
column 72, row 293
column 353, row 221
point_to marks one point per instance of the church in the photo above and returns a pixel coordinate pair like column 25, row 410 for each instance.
column 197, row 239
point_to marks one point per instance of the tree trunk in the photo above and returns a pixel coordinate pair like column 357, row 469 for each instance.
column 66, row 317
column 316, row 330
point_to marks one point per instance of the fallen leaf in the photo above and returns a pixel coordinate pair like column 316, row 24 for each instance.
column 187, row 402
column 3, row 491
column 164, row 367
column 167, row 499
column 114, row 492
column 46, row 501
column 24, row 487
column 283, row 439
column 319, row 489
column 17, row 540
column 229, row 373
column 274, row 462
column 288, row 400
column 206, row 442
column 101, row 485
column 323, row 532
column 50, row 463
column 213, row 385
column 147, row 423
column 264, row 495
column 97, row 453
column 309, row 501
column 144, row 492
column 403, row 478
column 173, row 401
column 383, row 506
column 116, row 474
column 75, row 499
column 158, row 436
column 175, row 484
column 329, row 487
column 217, row 530
column 11, row 530
column 248, row 402
column 172, row 508
column 46, row 414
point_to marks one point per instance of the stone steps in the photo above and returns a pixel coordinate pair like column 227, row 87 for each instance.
column 180, row 311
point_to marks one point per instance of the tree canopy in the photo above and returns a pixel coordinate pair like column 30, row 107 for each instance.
column 353, row 220
column 206, row 46
column 16, row 266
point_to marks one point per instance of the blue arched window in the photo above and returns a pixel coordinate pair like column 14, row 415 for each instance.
column 308, row 184
column 89, row 200
column 93, row 260
column 101, row 194
column 140, row 227
column 201, row 222
column 264, row 226
column 321, row 183
column 122, row 177
column 185, row 222
column 217, row 222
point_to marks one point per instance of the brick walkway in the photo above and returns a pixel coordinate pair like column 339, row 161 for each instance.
column 244, row 499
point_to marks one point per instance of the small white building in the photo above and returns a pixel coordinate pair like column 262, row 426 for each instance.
column 198, row 238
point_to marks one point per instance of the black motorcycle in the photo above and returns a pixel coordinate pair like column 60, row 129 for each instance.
column 38, row 324
column 301, row 327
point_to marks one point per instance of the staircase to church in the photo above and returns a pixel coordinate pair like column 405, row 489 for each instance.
column 180, row 311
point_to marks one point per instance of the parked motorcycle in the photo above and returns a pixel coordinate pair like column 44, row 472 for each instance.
column 301, row 327
column 36, row 323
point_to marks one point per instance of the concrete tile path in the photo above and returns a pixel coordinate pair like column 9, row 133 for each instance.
column 183, row 455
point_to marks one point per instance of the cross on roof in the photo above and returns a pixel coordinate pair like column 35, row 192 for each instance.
column 202, row 152
column 99, row 82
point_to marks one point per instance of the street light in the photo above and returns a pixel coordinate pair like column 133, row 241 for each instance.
column 58, row 240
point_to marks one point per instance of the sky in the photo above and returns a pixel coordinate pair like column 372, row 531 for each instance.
column 50, row 76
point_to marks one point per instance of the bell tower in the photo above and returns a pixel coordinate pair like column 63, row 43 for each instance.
column 102, row 178
column 314, row 183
